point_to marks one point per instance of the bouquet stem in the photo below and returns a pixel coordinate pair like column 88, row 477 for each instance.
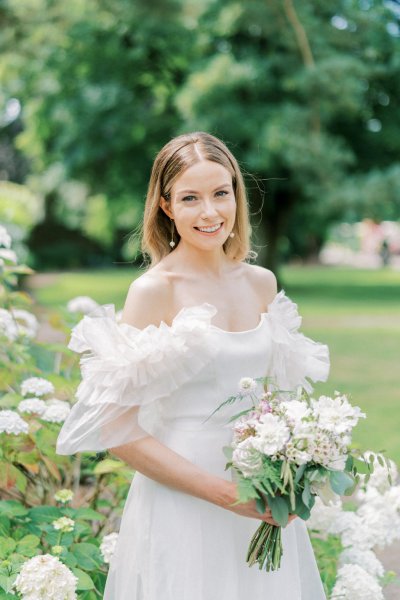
column 266, row 547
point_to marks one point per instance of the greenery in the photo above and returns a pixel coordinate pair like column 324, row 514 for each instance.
column 308, row 108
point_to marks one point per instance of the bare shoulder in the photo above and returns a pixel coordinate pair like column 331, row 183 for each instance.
column 147, row 300
column 264, row 282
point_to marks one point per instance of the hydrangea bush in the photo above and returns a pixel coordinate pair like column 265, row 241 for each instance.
column 56, row 511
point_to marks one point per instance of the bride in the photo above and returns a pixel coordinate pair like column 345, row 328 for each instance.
column 195, row 322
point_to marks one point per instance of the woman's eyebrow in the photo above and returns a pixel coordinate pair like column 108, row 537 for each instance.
column 195, row 192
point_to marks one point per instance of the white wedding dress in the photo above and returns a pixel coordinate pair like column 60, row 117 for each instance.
column 166, row 381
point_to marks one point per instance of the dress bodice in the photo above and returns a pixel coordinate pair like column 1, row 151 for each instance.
column 133, row 379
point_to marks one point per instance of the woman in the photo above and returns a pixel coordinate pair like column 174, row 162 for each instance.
column 194, row 323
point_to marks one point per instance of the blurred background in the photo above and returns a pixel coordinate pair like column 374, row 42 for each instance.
column 305, row 94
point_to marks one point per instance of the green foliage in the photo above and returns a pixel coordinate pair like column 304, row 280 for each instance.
column 33, row 509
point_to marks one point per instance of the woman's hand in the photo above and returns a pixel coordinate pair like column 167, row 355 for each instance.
column 249, row 509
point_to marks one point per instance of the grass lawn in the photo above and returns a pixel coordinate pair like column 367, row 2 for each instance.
column 355, row 311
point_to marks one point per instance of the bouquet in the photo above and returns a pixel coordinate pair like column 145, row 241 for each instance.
column 288, row 448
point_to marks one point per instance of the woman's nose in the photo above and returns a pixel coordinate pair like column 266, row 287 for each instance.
column 208, row 209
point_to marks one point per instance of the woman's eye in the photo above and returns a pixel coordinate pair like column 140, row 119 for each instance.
column 222, row 192
column 188, row 197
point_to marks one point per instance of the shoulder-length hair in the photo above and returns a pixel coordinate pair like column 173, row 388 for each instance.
column 176, row 156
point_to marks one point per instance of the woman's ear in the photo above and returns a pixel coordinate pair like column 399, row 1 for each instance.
column 165, row 205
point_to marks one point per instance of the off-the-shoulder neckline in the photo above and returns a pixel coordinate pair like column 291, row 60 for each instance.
column 262, row 317
column 195, row 307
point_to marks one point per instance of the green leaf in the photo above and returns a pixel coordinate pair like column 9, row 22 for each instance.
column 260, row 505
column 44, row 514
column 27, row 545
column 108, row 465
column 7, row 545
column 85, row 582
column 279, row 509
column 301, row 509
column 306, row 495
column 5, row 525
column 340, row 482
column 89, row 514
column 299, row 473
column 87, row 555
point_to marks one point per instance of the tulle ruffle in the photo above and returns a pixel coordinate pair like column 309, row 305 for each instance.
column 125, row 369
column 294, row 357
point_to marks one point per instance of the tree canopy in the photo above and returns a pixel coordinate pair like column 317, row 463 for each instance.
column 304, row 93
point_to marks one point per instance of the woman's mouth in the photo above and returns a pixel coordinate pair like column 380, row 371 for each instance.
column 210, row 230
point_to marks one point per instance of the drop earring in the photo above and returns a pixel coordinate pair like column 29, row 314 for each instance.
column 231, row 235
column 172, row 243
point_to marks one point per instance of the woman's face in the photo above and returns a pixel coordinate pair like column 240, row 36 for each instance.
column 203, row 205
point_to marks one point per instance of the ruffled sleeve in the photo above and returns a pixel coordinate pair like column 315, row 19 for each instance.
column 295, row 358
column 126, row 372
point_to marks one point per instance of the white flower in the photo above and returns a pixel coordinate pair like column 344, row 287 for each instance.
column 45, row 577
column 64, row 495
column 27, row 323
column 379, row 478
column 247, row 385
column 272, row 434
column 322, row 516
column 56, row 411
column 32, row 405
column 107, row 546
column 365, row 558
column 5, row 238
column 81, row 304
column 64, row 524
column 381, row 518
column 297, row 451
column 8, row 326
column 354, row 583
column 246, row 458
column 36, row 386
column 8, row 255
column 295, row 411
column 336, row 414
column 392, row 496
column 11, row 422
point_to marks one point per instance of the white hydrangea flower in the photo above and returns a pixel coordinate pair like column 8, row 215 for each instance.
column 32, row 405
column 5, row 238
column 381, row 518
column 27, row 323
column 8, row 326
column 45, row 577
column 354, row 583
column 64, row 524
column 11, row 422
column 336, row 414
column 56, row 411
column 246, row 458
column 107, row 546
column 247, row 385
column 64, row 495
column 82, row 304
column 365, row 559
column 323, row 516
column 392, row 497
column 36, row 386
column 272, row 434
column 8, row 255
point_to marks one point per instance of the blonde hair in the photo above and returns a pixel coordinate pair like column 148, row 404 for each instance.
column 176, row 156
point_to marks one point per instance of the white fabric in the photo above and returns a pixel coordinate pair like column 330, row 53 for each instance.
column 166, row 381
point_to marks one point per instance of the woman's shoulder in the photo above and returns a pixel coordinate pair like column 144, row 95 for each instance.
column 263, row 280
column 147, row 298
